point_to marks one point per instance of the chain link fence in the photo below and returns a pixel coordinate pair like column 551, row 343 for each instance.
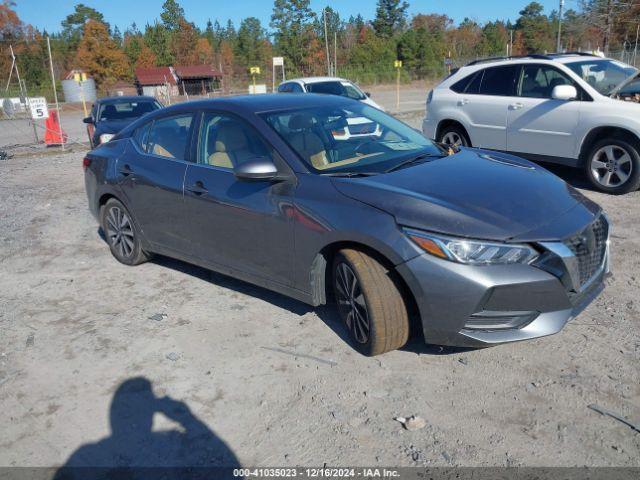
column 20, row 132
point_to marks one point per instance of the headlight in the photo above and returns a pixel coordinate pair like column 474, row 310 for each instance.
column 472, row 252
column 105, row 137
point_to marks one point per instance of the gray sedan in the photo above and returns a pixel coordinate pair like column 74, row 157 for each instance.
column 473, row 247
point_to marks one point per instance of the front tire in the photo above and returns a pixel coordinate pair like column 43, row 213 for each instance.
column 370, row 303
column 122, row 234
column 454, row 135
column 613, row 166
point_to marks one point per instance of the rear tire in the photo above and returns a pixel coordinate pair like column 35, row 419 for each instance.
column 122, row 234
column 613, row 166
column 373, row 308
column 454, row 135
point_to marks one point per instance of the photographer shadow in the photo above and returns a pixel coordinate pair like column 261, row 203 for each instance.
column 135, row 451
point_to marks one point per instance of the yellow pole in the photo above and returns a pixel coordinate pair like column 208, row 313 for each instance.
column 84, row 103
column 398, row 89
column 254, row 83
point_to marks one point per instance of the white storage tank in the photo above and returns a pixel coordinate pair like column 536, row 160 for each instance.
column 72, row 93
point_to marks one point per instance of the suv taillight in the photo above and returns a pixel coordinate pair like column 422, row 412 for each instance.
column 86, row 162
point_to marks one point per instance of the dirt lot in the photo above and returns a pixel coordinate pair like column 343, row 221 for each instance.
column 266, row 380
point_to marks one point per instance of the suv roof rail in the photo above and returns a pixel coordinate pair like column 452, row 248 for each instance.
column 512, row 57
column 582, row 54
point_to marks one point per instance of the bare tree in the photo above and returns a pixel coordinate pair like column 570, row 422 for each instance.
column 603, row 15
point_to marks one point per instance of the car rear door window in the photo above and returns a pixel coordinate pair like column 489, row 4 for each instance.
column 500, row 81
column 226, row 141
column 296, row 88
column 285, row 88
column 141, row 136
column 169, row 136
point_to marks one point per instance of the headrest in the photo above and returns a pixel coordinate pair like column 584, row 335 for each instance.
column 301, row 121
column 110, row 109
column 230, row 137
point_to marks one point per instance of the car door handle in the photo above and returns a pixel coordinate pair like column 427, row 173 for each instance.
column 125, row 170
column 197, row 188
column 463, row 102
column 516, row 106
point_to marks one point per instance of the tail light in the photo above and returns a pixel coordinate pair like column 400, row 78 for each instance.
column 86, row 162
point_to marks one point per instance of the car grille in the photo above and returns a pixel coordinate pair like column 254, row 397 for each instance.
column 589, row 247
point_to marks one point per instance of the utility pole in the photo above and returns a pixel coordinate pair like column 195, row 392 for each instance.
column 635, row 49
column 335, row 54
column 559, row 43
column 55, row 93
column 326, row 40
column 510, row 54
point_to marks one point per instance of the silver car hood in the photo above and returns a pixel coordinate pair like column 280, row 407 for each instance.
column 477, row 194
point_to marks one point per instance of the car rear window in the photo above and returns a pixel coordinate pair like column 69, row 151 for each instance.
column 122, row 110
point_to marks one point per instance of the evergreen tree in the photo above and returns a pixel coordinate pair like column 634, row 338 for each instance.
column 172, row 14
column 73, row 25
column 291, row 22
column 391, row 17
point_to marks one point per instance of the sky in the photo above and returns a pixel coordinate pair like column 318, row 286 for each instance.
column 47, row 14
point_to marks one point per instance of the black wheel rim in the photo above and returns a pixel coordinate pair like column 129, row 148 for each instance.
column 120, row 232
column 351, row 303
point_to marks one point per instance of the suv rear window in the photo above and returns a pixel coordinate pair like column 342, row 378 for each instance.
column 500, row 81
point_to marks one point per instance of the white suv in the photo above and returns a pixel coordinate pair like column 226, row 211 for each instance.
column 328, row 85
column 560, row 108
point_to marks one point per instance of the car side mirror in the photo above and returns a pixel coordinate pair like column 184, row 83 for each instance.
column 88, row 120
column 564, row 92
column 259, row 168
column 367, row 94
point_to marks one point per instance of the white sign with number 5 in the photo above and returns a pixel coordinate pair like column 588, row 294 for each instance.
column 38, row 107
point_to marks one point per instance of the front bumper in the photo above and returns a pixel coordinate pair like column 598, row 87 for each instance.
column 452, row 297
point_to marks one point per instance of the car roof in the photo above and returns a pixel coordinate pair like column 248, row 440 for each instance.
column 316, row 79
column 267, row 102
column 126, row 98
column 567, row 57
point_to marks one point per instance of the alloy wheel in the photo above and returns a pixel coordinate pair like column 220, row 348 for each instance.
column 611, row 166
column 120, row 232
column 452, row 138
column 351, row 303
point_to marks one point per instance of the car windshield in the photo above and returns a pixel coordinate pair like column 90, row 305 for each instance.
column 126, row 109
column 342, row 88
column 350, row 139
column 603, row 75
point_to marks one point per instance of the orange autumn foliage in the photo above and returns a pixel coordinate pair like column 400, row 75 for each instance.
column 99, row 55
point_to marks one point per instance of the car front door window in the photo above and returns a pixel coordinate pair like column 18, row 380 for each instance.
column 538, row 81
column 226, row 142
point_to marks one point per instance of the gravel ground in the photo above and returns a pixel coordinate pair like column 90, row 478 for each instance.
column 206, row 369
